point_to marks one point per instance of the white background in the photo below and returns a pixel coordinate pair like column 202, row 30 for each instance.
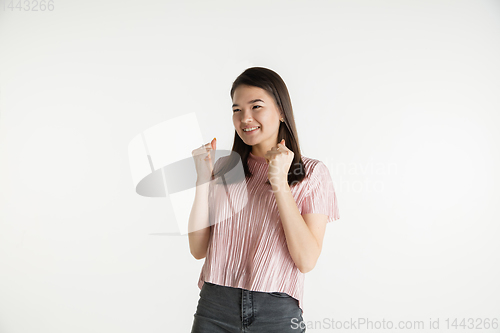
column 400, row 99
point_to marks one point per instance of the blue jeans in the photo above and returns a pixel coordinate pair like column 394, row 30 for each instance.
column 224, row 309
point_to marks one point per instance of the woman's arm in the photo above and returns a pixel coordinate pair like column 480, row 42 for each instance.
column 304, row 240
column 199, row 226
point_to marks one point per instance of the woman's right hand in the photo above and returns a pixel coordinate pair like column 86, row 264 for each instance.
column 203, row 161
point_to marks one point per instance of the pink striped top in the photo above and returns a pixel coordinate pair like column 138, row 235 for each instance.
column 248, row 250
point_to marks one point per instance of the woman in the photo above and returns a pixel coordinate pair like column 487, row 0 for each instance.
column 257, row 254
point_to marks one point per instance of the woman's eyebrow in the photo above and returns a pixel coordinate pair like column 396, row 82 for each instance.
column 252, row 101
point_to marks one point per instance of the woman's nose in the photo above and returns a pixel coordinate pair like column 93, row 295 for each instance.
column 246, row 116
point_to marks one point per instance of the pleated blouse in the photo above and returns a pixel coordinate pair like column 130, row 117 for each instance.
column 247, row 246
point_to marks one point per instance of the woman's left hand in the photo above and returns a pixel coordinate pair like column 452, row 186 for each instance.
column 279, row 161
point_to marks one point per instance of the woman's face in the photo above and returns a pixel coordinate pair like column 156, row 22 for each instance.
column 254, row 107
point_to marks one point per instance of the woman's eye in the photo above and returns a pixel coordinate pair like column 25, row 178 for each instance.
column 239, row 109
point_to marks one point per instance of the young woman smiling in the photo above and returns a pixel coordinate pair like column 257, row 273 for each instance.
column 256, row 258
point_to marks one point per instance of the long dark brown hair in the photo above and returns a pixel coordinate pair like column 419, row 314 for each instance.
column 271, row 82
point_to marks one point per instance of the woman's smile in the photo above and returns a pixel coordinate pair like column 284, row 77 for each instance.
column 252, row 131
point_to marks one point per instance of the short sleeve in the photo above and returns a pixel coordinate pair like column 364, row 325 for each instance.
column 320, row 197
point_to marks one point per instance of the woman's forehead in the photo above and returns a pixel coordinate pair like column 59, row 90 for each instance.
column 249, row 93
